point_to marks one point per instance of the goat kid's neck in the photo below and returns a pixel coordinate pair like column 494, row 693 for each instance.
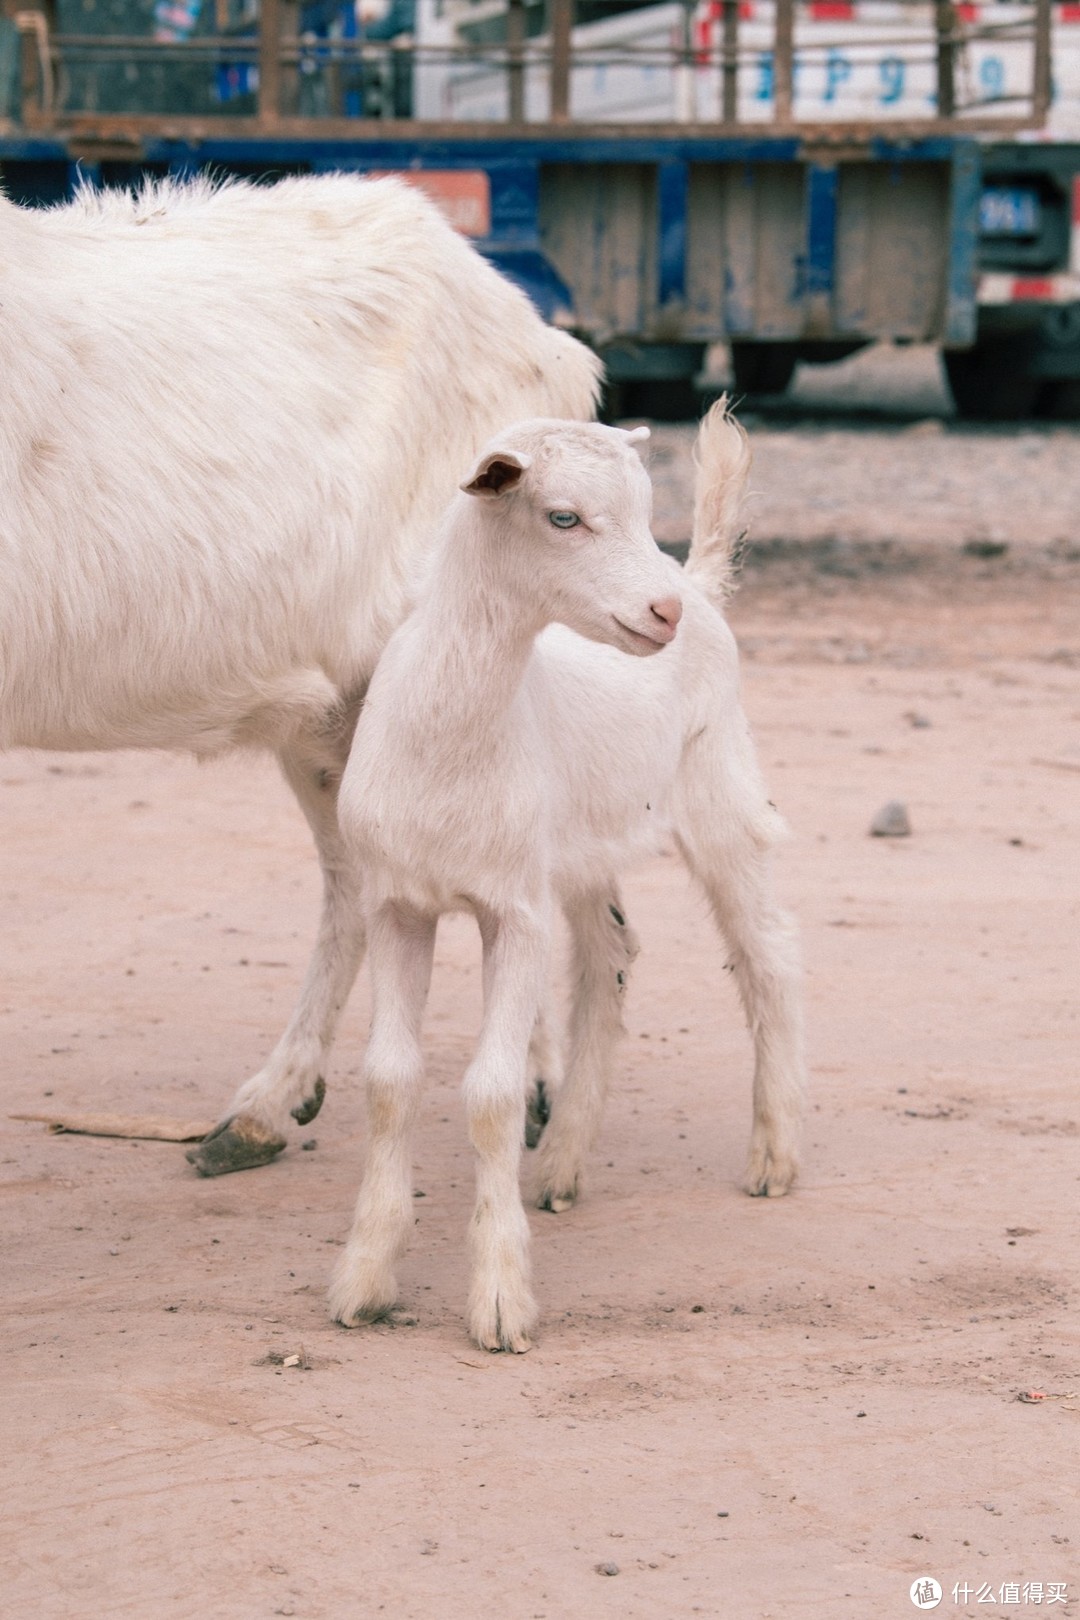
column 477, row 620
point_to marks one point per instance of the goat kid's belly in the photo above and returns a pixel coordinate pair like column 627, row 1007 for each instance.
column 612, row 796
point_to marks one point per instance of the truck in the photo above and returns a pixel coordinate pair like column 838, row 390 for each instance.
column 794, row 178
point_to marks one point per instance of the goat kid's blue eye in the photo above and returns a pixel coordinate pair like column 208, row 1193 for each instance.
column 564, row 520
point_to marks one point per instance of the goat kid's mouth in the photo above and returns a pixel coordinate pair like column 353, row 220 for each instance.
column 639, row 641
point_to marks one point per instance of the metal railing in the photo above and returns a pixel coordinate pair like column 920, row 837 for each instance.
column 280, row 63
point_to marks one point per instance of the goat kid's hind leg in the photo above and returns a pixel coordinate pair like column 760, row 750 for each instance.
column 544, row 1075
column 363, row 1286
column 603, row 945
column 724, row 827
column 502, row 1311
column 291, row 1084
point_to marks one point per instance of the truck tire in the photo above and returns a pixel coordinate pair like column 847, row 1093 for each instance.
column 1059, row 399
column 990, row 383
column 762, row 368
column 664, row 399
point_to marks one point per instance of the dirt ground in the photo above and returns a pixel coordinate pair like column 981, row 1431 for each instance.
column 744, row 1409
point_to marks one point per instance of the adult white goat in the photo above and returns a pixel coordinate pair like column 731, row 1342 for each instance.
column 229, row 421
column 498, row 773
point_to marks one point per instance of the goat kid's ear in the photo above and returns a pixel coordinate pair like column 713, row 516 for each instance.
column 496, row 472
column 636, row 435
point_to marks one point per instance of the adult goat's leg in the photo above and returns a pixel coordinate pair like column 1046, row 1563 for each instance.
column 501, row 1306
column 291, row 1084
column 725, row 826
column 363, row 1286
column 604, row 945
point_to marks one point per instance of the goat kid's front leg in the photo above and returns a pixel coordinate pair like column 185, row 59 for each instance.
column 363, row 1286
column 502, row 1311
column 603, row 945
column 291, row 1084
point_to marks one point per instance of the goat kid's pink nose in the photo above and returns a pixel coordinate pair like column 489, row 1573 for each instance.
column 667, row 612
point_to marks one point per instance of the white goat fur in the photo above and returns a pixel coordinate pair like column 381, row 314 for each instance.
column 230, row 418
column 500, row 767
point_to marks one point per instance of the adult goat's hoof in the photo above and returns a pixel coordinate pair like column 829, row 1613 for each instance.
column 305, row 1112
column 236, row 1144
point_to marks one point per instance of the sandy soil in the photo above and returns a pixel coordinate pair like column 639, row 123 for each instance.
column 737, row 1408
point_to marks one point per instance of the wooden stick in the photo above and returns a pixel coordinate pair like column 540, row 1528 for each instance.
column 142, row 1126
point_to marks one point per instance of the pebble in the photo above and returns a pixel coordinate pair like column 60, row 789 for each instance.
column 606, row 1569
column 891, row 821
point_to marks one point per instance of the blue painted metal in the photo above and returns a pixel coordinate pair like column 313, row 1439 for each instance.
column 673, row 178
column 515, row 167
column 961, row 307
column 822, row 188
column 472, row 153
column 534, row 274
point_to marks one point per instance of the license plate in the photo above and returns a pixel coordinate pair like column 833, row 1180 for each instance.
column 1009, row 211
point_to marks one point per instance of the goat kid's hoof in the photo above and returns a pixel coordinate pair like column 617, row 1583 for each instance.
column 305, row 1112
column 236, row 1144
column 497, row 1333
column 769, row 1177
column 364, row 1316
column 555, row 1202
column 537, row 1113
column 361, row 1294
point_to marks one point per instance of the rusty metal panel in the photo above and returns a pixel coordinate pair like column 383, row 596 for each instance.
column 598, row 228
column 892, row 250
column 745, row 246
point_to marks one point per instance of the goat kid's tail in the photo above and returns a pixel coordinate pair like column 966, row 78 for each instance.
column 722, row 460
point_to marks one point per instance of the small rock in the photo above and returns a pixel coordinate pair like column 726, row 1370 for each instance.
column 919, row 722
column 309, row 1146
column 979, row 547
column 606, row 1569
column 291, row 1361
column 891, row 821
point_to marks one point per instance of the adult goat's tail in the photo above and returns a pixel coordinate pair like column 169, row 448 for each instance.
column 722, row 460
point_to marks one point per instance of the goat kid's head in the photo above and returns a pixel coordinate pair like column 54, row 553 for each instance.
column 570, row 505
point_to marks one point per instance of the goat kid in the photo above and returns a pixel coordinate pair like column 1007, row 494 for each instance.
column 230, row 419
column 503, row 764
